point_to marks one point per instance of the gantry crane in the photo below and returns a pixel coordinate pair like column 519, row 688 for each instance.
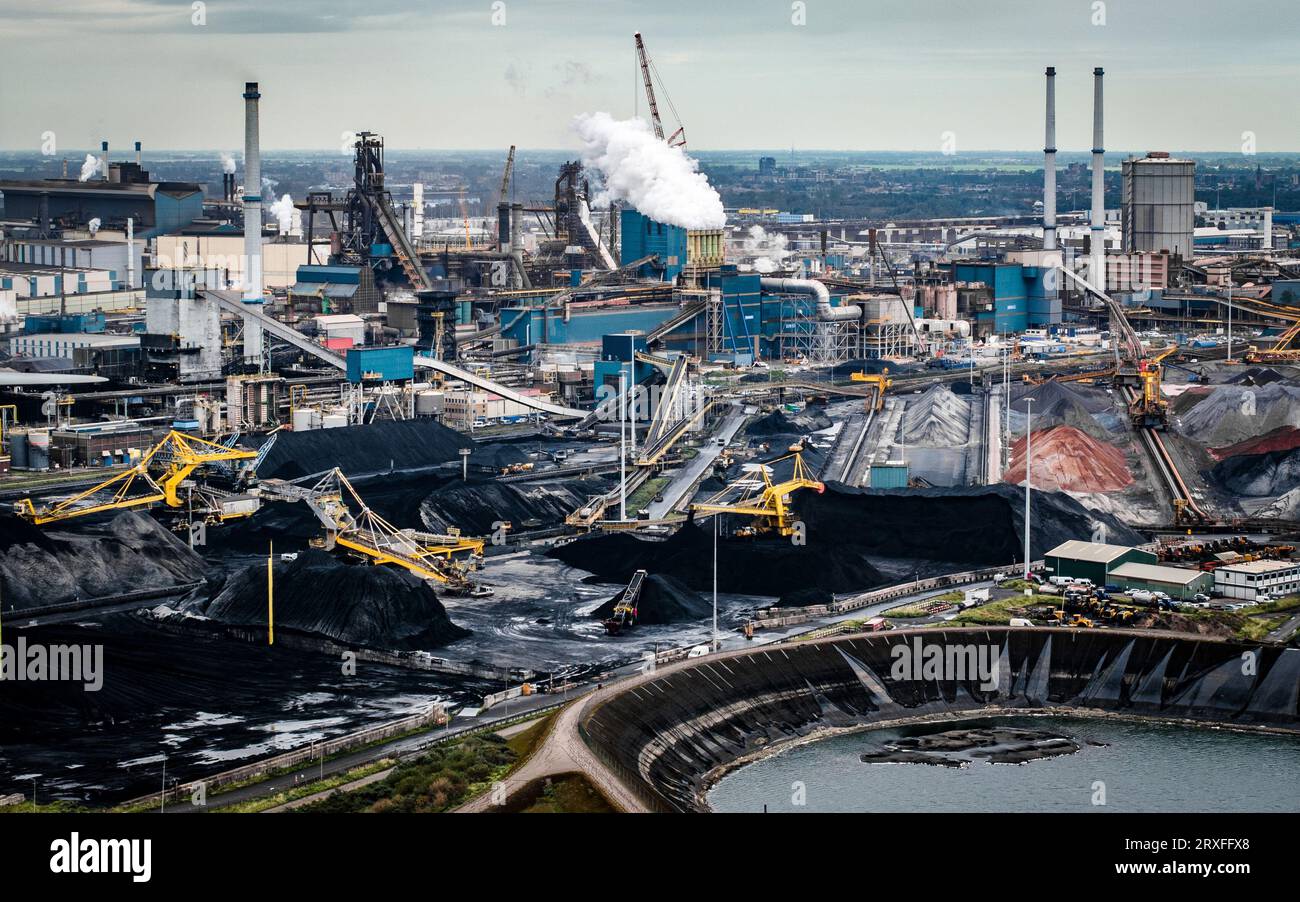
column 1281, row 352
column 157, row 478
column 333, row 499
column 677, row 138
column 770, row 506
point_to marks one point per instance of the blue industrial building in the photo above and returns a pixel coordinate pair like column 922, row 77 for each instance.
column 616, row 353
column 1009, row 285
column 394, row 363
column 642, row 236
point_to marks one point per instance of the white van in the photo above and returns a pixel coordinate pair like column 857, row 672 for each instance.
column 1061, row 580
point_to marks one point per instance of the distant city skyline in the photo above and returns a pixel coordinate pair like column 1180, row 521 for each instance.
column 890, row 75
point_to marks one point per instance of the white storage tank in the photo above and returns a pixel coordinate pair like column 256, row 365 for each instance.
column 305, row 418
column 38, row 449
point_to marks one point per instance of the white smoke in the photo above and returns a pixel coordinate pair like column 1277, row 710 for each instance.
column 90, row 168
column 227, row 164
column 660, row 181
column 769, row 251
column 93, row 225
column 283, row 212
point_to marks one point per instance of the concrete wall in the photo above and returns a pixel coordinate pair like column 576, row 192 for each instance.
column 663, row 735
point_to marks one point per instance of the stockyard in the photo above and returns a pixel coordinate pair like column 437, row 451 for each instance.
column 462, row 484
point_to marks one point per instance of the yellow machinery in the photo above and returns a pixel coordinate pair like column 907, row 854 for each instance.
column 770, row 506
column 365, row 533
column 1281, row 352
column 158, row 476
column 881, row 381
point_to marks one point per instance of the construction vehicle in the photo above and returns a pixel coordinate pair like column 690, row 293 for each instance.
column 769, row 506
column 159, row 478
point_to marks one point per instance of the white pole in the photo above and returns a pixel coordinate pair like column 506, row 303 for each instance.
column 1029, row 458
column 715, row 582
column 622, row 445
column 1230, row 316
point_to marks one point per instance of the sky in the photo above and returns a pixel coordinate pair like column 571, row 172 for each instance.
column 813, row 74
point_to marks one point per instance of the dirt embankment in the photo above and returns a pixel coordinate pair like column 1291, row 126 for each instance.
column 372, row 448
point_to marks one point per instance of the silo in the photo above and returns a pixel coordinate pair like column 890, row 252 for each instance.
column 1159, row 205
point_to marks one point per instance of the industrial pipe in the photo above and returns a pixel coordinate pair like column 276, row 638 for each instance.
column 819, row 293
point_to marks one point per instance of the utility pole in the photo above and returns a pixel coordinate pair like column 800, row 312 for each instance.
column 1230, row 316
column 622, row 446
column 1029, row 458
column 715, row 581
column 464, row 463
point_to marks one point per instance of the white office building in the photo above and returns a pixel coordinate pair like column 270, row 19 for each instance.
column 1249, row 580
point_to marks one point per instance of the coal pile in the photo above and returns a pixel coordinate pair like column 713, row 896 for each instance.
column 373, row 448
column 664, row 599
column 320, row 596
column 91, row 558
column 781, row 422
column 1228, row 414
column 1271, row 473
column 1284, row 438
column 475, row 506
column 802, row 598
column 937, row 419
column 748, row 566
column 980, row 525
column 496, row 457
column 1083, row 408
column 1257, row 375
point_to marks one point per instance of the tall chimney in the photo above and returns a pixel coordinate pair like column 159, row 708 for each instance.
column 103, row 159
column 1049, row 166
column 417, row 219
column 137, row 153
column 1097, row 241
column 252, row 221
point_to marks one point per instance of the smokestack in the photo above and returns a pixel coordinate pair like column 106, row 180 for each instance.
column 1049, row 166
column 103, row 159
column 252, row 221
column 1097, row 241
column 137, row 153
column 130, row 249
column 417, row 220
column 503, row 226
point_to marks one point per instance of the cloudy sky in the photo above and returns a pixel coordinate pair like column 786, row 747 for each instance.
column 857, row 74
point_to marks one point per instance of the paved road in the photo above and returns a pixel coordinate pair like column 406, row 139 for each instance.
column 696, row 467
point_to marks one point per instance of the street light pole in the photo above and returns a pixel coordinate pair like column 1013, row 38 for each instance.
column 1029, row 463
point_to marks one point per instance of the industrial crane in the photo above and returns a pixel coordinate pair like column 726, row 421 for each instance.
column 1282, row 350
column 770, row 507
column 677, row 138
column 1134, row 367
column 880, row 380
column 332, row 498
column 158, row 477
column 504, row 195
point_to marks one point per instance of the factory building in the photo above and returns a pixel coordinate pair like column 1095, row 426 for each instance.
column 335, row 289
column 281, row 260
column 1007, row 307
column 62, row 344
column 1176, row 582
column 155, row 207
column 1251, row 579
column 1093, row 560
column 642, row 236
column 1159, row 205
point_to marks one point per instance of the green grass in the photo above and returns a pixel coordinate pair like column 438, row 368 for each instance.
column 563, row 794
column 996, row 613
column 439, row 780
column 304, row 790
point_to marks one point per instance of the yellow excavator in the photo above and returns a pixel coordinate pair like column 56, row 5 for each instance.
column 157, row 478
column 769, row 506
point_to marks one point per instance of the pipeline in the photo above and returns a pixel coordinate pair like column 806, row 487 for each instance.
column 819, row 292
